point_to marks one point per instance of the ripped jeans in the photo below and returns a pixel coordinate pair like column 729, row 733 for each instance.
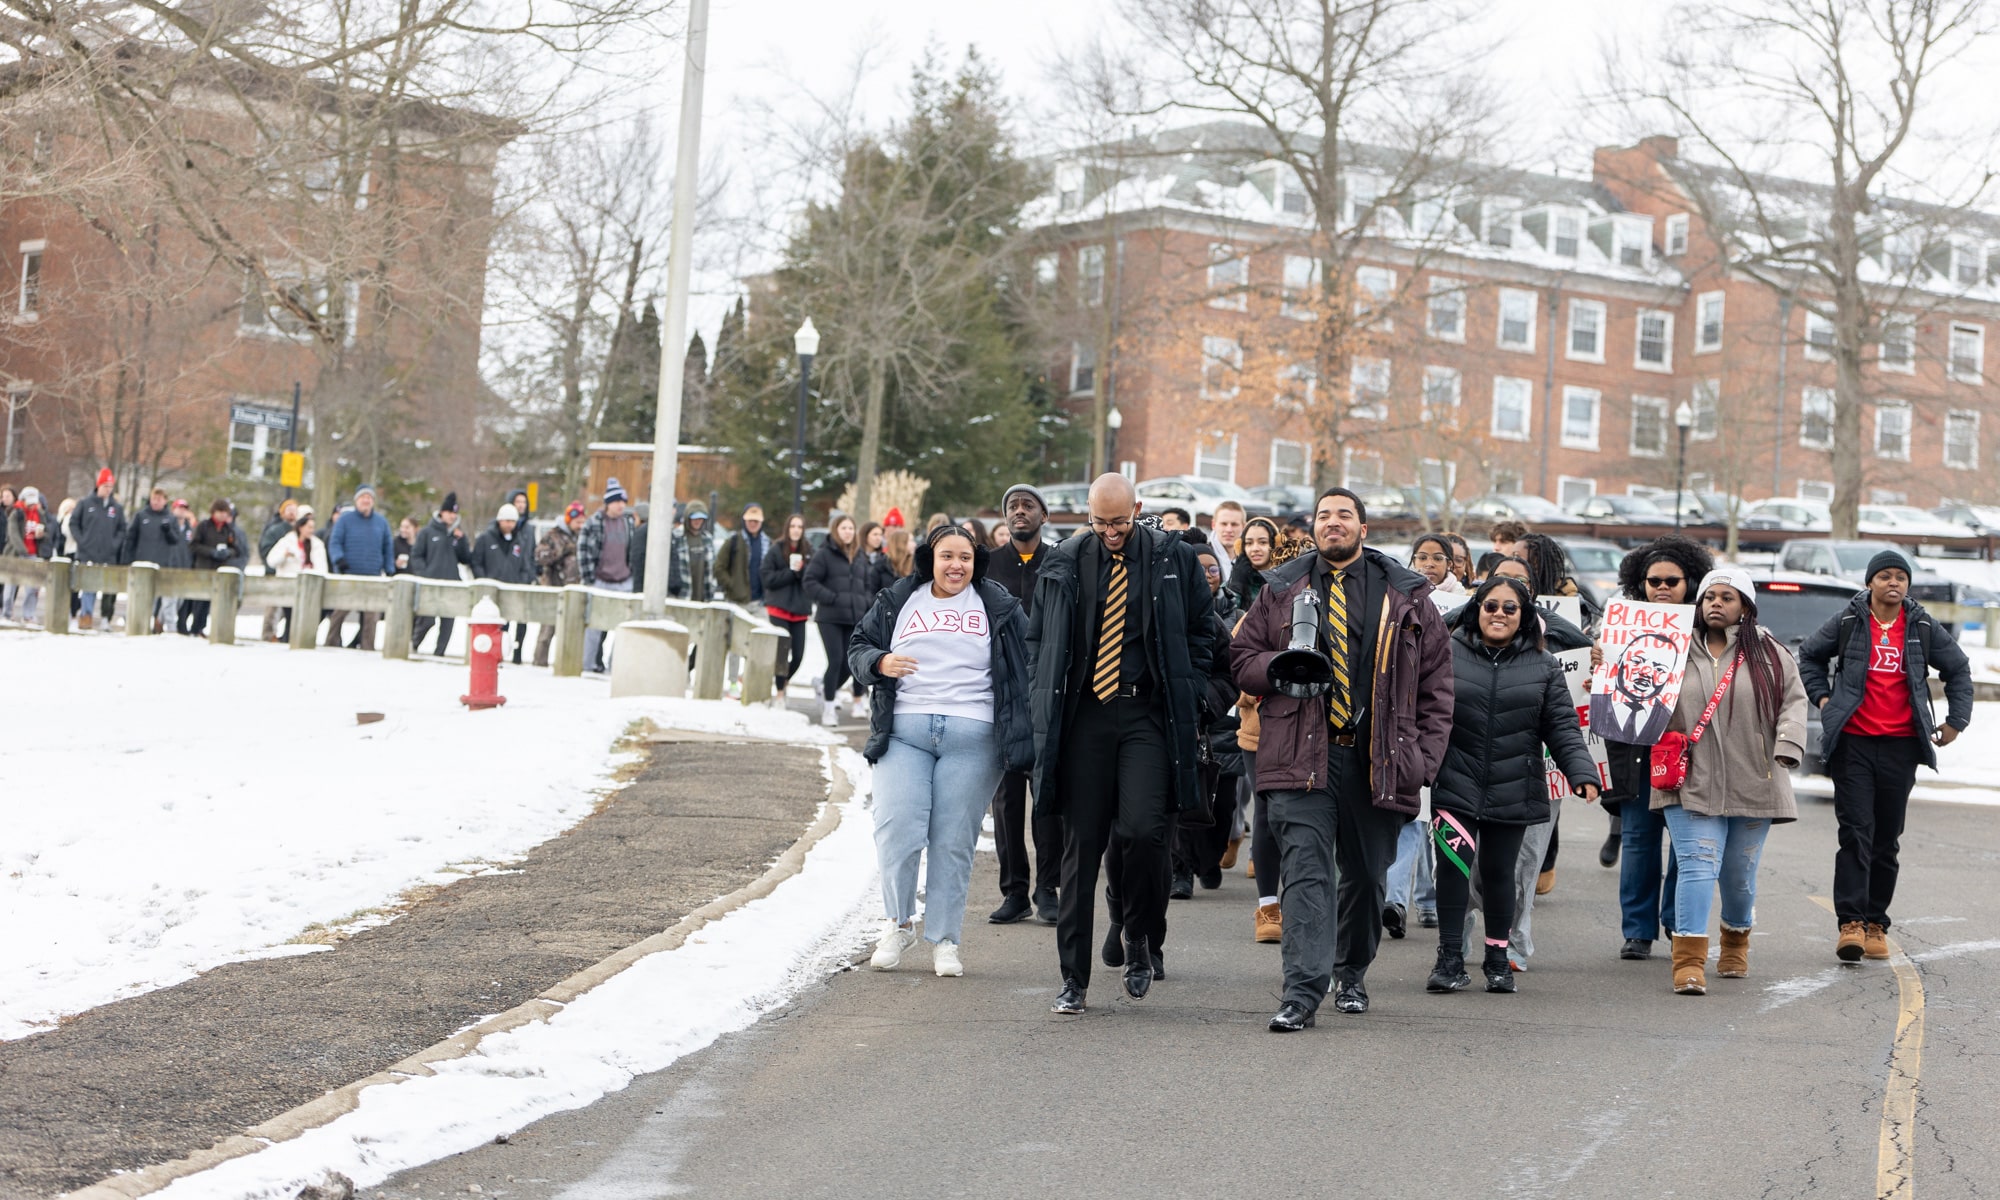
column 1712, row 849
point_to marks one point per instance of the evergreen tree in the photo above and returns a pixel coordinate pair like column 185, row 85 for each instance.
column 632, row 379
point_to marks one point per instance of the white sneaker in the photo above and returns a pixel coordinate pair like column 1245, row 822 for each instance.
column 829, row 713
column 890, row 946
column 861, row 707
column 944, row 958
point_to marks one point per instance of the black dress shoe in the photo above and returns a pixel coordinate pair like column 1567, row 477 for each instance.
column 1046, row 907
column 1292, row 1018
column 1392, row 920
column 1182, row 887
column 1012, row 909
column 1427, row 918
column 1607, row 854
column 1070, row 1000
column 1159, row 966
column 1138, row 968
column 1113, row 951
column 1210, row 880
column 1352, row 998
column 1636, row 949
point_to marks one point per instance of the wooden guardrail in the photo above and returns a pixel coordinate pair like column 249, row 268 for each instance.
column 716, row 631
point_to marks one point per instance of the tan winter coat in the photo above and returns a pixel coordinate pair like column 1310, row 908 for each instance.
column 1733, row 770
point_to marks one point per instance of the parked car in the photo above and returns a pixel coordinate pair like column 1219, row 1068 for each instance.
column 1287, row 499
column 1621, row 510
column 1792, row 606
column 1198, row 495
column 1514, row 506
column 1847, row 560
column 1980, row 519
column 1905, row 523
column 1593, row 563
column 1804, row 516
column 1067, row 497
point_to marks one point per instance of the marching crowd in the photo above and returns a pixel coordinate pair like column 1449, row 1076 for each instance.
column 1142, row 698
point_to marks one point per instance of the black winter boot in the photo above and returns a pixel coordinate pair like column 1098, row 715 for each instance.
column 1499, row 976
column 1449, row 973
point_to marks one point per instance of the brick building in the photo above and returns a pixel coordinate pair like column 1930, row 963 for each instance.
column 125, row 342
column 1538, row 334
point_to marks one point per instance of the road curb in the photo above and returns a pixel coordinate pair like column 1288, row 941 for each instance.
column 341, row 1101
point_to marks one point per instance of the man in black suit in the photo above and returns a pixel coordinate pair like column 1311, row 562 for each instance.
column 1015, row 567
column 1121, row 648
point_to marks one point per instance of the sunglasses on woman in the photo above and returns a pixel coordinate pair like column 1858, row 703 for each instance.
column 1495, row 607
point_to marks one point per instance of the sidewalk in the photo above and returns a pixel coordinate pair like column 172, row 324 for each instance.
column 173, row 1071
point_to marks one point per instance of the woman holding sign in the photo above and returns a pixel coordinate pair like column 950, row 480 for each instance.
column 1721, row 772
column 1510, row 700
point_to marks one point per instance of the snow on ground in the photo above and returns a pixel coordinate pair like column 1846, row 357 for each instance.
column 1968, row 769
column 182, row 805
column 665, row 1006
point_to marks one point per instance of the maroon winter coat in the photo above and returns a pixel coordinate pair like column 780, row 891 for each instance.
column 1410, row 692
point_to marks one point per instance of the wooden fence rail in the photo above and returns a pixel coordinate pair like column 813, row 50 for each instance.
column 716, row 631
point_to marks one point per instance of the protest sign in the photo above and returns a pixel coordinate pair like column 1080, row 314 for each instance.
column 1569, row 608
column 1632, row 696
column 1576, row 673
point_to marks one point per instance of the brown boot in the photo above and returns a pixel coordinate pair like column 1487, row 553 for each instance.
column 1874, row 941
column 1690, row 963
column 1545, row 882
column 1229, row 853
column 1851, row 942
column 1733, row 962
column 85, row 620
column 1270, row 924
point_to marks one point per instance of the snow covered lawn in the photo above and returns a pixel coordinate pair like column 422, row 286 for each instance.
column 169, row 806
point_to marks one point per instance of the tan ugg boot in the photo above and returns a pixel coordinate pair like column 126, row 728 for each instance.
column 1690, row 963
column 1733, row 961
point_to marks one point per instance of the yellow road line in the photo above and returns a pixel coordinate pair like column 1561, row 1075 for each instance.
column 1895, row 1151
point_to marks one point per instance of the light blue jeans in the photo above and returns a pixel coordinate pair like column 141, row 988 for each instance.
column 593, row 639
column 932, row 787
column 1411, row 872
column 1712, row 849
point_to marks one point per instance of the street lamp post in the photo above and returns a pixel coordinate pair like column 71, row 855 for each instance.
column 1683, row 421
column 1112, row 421
column 806, row 342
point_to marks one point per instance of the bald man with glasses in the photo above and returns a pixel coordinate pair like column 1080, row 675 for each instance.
column 1120, row 646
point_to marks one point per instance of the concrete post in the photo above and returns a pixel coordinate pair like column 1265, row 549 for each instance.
column 55, row 597
column 221, row 609
column 401, row 618
column 144, row 582
column 711, row 654
column 306, row 603
column 760, row 663
column 571, row 609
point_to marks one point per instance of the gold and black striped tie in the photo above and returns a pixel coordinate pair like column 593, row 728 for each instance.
column 1339, row 701
column 1111, row 633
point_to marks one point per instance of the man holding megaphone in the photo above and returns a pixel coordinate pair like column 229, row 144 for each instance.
column 1355, row 665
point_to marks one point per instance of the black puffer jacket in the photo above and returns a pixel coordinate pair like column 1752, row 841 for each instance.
column 438, row 550
column 154, row 536
column 784, row 588
column 504, row 558
column 876, row 633
column 842, row 587
column 1508, row 704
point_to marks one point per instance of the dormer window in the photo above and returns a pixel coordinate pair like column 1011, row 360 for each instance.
column 1069, row 186
column 1501, row 220
column 1624, row 239
column 1568, row 238
column 1362, row 193
column 1677, row 235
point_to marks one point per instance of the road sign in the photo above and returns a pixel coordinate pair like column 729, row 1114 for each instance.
column 292, row 469
column 534, row 497
column 257, row 414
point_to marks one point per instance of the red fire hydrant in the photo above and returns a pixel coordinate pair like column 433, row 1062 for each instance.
column 483, row 653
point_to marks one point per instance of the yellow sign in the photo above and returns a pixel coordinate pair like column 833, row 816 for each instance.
column 534, row 497
column 292, row 469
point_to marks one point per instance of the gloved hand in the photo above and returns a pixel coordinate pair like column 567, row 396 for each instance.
column 221, row 553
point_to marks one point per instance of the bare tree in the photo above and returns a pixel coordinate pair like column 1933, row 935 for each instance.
column 1842, row 93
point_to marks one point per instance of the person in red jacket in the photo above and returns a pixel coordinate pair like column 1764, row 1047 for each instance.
column 1342, row 769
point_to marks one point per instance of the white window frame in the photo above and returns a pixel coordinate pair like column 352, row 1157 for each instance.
column 1090, row 275
column 1907, row 324
column 1505, row 480
column 1347, row 476
column 1356, row 185
column 1375, row 294
column 1703, row 344
column 1446, row 295
column 1202, row 456
column 1438, row 380
column 1078, row 353
column 1887, row 414
column 1579, row 230
column 1301, row 281
column 1377, row 409
column 1666, row 364
column 1887, row 496
column 1962, row 415
column 1290, row 396
column 12, row 457
column 1228, row 278
column 1228, row 352
column 29, row 305
column 1705, row 398
column 1676, row 235
column 1963, row 255
column 1286, row 477
column 1585, row 438
column 1655, row 404
column 1814, row 324
column 1500, row 319
column 1564, row 483
column 1526, row 390
column 1815, row 489
column 1978, row 335
column 1632, row 233
column 1597, row 309
column 1446, row 480
column 1816, row 402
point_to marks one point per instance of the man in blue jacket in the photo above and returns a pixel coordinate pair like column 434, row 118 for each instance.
column 360, row 544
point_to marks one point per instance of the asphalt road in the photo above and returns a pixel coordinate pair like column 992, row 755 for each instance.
column 1595, row 1080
